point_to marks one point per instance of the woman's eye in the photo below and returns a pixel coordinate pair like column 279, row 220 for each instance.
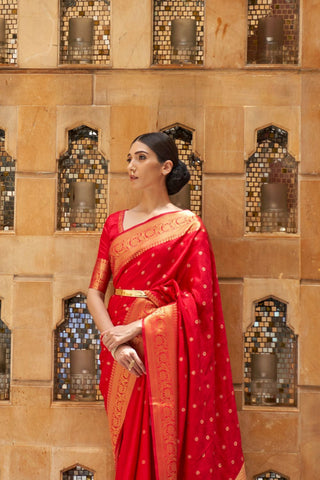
column 142, row 157
column 128, row 160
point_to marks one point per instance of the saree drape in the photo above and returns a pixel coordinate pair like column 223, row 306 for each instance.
column 179, row 421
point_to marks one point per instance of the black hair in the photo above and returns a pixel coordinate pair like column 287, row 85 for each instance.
column 166, row 149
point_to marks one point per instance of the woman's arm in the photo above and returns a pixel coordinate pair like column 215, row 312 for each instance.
column 115, row 337
column 97, row 308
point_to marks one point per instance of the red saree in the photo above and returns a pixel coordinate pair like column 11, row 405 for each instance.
column 179, row 421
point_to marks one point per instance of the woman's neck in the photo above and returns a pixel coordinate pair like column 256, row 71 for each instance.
column 153, row 202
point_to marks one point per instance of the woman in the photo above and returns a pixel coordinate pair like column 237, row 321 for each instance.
column 165, row 370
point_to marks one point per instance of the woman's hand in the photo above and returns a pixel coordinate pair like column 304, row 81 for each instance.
column 126, row 356
column 119, row 334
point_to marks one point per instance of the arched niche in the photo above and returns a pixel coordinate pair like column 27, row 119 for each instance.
column 77, row 472
column 269, row 338
column 82, row 164
column 76, row 331
column 271, row 166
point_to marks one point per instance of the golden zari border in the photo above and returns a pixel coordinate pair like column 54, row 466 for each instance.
column 100, row 275
column 123, row 383
column 161, row 346
column 134, row 242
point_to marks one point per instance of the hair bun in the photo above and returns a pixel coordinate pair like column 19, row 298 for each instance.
column 177, row 178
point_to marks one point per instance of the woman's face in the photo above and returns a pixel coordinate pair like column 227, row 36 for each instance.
column 145, row 170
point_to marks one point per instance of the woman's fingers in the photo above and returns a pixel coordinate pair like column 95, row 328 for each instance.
column 107, row 342
column 111, row 342
column 129, row 359
column 136, row 366
column 121, row 333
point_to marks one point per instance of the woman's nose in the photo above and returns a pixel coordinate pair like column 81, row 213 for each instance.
column 130, row 165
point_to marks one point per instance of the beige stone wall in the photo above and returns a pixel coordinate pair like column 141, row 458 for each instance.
column 225, row 103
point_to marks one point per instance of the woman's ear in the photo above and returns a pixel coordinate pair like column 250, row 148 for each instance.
column 167, row 167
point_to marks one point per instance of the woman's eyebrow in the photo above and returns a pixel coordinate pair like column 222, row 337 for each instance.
column 140, row 151
column 136, row 153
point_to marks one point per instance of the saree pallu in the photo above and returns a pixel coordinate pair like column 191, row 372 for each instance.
column 179, row 421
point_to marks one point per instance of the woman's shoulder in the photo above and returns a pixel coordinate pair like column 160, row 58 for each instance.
column 114, row 216
column 190, row 215
column 114, row 221
column 191, row 219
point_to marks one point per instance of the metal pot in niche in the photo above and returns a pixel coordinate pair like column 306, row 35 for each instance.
column 82, row 375
column 270, row 40
column 263, row 379
column 183, row 33
column 80, row 43
column 82, row 205
column 274, row 207
column 183, row 40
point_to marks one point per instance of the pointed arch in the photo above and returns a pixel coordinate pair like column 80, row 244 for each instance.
column 269, row 333
column 77, row 471
column 271, row 164
column 77, row 330
column 82, row 162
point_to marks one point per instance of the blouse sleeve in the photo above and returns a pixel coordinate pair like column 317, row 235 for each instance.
column 102, row 272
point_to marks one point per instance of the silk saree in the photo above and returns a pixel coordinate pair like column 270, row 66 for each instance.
column 179, row 421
